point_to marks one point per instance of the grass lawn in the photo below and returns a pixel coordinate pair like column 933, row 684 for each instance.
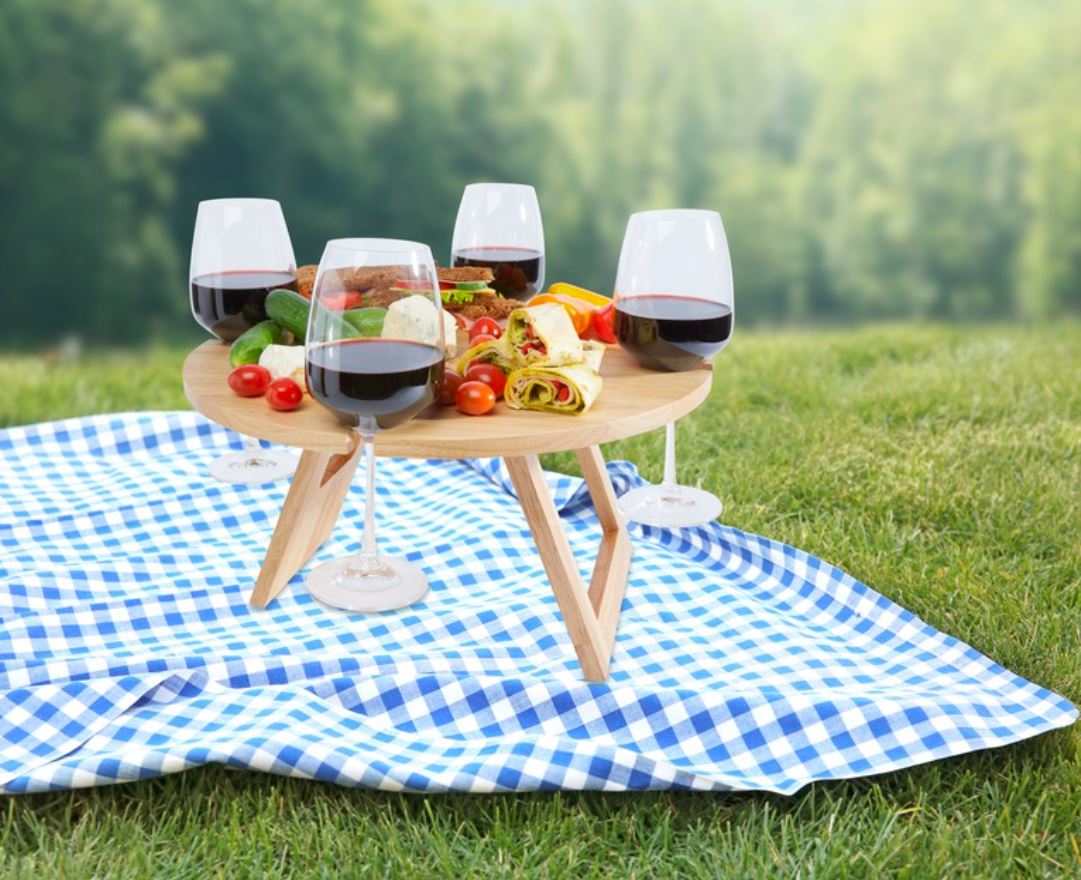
column 941, row 466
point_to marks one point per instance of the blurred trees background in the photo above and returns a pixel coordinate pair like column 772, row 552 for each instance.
column 871, row 158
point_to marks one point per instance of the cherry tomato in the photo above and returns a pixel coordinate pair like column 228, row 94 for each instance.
column 447, row 390
column 479, row 338
column 474, row 398
column 249, row 380
column 284, row 394
column 603, row 323
column 485, row 326
column 563, row 393
column 489, row 374
column 459, row 319
column 341, row 300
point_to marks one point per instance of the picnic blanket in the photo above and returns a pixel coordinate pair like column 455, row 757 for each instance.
column 128, row 649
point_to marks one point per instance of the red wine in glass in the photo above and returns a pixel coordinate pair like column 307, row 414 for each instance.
column 228, row 303
column 375, row 383
column 672, row 333
column 518, row 271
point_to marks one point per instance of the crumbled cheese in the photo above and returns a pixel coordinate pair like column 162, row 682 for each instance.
column 284, row 361
column 450, row 333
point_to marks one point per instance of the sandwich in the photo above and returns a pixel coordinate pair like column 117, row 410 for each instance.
column 467, row 291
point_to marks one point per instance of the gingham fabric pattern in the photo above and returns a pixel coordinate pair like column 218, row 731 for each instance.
column 127, row 648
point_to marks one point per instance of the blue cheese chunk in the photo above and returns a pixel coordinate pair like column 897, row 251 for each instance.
column 415, row 318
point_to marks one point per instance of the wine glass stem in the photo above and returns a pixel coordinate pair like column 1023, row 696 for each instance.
column 669, row 455
column 251, row 445
column 369, row 553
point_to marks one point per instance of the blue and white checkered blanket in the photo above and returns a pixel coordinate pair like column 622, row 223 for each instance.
column 128, row 650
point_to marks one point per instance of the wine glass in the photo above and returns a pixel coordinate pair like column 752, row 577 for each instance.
column 239, row 253
column 373, row 383
column 673, row 311
column 499, row 227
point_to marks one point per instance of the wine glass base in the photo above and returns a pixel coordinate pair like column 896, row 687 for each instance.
column 673, row 507
column 350, row 584
column 251, row 466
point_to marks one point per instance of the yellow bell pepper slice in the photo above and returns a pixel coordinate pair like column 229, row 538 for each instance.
column 586, row 296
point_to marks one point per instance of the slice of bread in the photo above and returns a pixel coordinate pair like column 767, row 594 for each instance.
column 306, row 280
column 466, row 273
column 374, row 276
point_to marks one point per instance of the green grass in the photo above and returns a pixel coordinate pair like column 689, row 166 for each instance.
column 941, row 466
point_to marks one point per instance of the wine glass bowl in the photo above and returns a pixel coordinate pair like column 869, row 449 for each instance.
column 499, row 227
column 673, row 293
column 240, row 252
column 373, row 383
column 674, row 311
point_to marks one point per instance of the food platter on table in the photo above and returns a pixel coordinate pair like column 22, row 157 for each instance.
column 544, row 354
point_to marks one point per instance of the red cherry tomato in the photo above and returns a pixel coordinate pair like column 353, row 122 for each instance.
column 284, row 394
column 249, row 380
column 341, row 300
column 490, row 375
column 474, row 398
column 485, row 327
column 449, row 388
column 604, row 323
column 460, row 320
column 479, row 338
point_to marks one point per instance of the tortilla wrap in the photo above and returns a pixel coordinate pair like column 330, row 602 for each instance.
column 535, row 388
column 493, row 351
column 543, row 335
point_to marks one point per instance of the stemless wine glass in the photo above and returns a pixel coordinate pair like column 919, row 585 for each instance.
column 499, row 226
column 373, row 383
column 239, row 253
column 673, row 311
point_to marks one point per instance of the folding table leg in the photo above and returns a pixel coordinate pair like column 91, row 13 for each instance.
column 310, row 510
column 591, row 617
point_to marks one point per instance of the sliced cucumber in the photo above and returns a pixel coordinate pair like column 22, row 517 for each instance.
column 250, row 344
column 367, row 321
column 290, row 310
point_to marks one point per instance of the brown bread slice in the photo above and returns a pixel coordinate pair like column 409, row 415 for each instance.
column 466, row 273
column 306, row 279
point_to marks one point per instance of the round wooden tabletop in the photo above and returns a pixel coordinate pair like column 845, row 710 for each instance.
column 634, row 400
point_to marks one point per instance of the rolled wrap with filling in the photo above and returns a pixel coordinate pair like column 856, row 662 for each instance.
column 593, row 354
column 494, row 351
column 571, row 389
column 543, row 335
